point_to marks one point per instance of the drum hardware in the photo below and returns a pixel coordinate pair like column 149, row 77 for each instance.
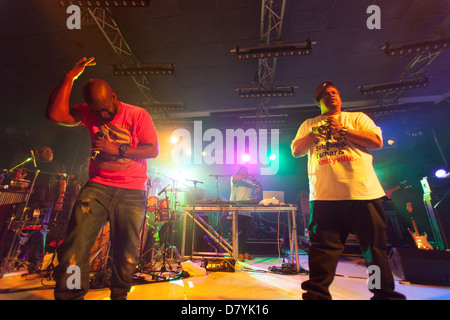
column 11, row 260
column 23, row 228
column 163, row 214
column 57, row 208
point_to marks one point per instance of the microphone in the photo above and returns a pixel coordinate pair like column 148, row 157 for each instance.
column 100, row 134
column 328, row 129
column 163, row 190
column 34, row 158
column 328, row 133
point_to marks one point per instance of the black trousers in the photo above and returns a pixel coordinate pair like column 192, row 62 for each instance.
column 330, row 224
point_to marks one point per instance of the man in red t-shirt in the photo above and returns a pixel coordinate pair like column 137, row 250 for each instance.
column 123, row 137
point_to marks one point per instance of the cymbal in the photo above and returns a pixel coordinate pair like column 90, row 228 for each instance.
column 176, row 190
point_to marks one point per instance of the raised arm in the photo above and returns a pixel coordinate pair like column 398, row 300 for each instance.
column 58, row 109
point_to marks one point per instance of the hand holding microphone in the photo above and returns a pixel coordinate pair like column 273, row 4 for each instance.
column 103, row 133
column 330, row 128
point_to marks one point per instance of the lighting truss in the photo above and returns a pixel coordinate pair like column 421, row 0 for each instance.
column 103, row 18
column 144, row 69
column 163, row 106
column 399, row 85
column 274, row 51
column 105, row 3
column 280, row 91
column 424, row 54
column 108, row 26
column 267, row 51
column 418, row 47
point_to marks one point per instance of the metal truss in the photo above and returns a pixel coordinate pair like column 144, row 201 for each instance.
column 108, row 26
column 272, row 13
column 416, row 67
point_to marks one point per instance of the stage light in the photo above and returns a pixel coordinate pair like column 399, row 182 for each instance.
column 414, row 48
column 274, row 51
column 272, row 157
column 245, row 158
column 168, row 106
column 105, row 3
column 165, row 69
column 393, row 86
column 174, row 140
column 280, row 91
column 441, row 173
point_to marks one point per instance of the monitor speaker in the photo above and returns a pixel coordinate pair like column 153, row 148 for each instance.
column 421, row 266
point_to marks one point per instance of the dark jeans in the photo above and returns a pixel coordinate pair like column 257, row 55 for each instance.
column 330, row 224
column 97, row 204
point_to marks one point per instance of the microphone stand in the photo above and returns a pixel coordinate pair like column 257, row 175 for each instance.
column 164, row 246
column 216, row 176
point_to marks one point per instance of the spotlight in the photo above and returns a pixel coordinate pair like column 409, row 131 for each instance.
column 174, row 140
column 272, row 157
column 441, row 173
column 393, row 86
column 105, row 3
column 274, row 51
column 279, row 91
column 417, row 47
column 144, row 69
column 245, row 158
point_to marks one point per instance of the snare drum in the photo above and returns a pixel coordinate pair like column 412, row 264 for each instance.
column 152, row 203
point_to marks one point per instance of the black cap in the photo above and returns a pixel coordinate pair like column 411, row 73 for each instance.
column 321, row 89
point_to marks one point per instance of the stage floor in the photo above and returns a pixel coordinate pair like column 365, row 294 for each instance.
column 251, row 281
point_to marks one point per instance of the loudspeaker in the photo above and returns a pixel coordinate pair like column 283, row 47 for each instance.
column 421, row 266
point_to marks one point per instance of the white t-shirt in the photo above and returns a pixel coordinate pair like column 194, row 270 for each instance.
column 241, row 190
column 339, row 169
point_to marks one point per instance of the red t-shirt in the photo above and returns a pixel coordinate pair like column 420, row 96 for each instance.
column 131, row 126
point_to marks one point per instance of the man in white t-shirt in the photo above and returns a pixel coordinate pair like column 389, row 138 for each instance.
column 344, row 193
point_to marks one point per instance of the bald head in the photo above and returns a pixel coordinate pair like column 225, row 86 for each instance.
column 101, row 99
column 96, row 90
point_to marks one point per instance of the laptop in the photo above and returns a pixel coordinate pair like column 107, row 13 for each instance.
column 279, row 195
